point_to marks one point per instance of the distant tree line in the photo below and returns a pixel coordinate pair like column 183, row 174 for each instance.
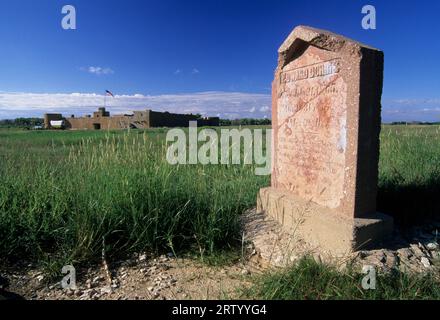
column 414, row 123
column 21, row 123
column 245, row 122
column 241, row 122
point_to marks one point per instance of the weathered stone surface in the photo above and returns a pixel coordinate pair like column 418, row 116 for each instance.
column 326, row 120
column 274, row 246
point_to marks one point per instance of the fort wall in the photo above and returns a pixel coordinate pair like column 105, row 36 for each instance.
column 101, row 120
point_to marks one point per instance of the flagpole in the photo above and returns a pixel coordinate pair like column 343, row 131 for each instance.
column 105, row 99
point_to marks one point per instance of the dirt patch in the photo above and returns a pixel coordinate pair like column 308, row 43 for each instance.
column 141, row 278
column 169, row 278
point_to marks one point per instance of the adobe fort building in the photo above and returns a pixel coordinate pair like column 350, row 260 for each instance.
column 101, row 119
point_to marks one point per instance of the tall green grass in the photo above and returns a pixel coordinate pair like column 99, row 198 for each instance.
column 61, row 193
column 409, row 173
column 62, row 199
column 309, row 280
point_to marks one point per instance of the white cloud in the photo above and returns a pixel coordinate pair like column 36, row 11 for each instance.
column 98, row 70
column 228, row 104
column 178, row 71
column 195, row 71
column 411, row 110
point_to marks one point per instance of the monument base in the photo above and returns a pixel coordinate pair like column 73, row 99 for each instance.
column 320, row 227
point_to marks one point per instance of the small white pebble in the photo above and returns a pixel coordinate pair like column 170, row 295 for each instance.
column 432, row 246
column 425, row 262
column 245, row 272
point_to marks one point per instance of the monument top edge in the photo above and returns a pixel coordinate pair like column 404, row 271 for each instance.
column 320, row 38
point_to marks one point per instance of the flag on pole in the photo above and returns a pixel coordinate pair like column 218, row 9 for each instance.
column 109, row 93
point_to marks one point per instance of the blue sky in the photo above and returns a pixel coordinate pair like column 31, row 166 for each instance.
column 212, row 57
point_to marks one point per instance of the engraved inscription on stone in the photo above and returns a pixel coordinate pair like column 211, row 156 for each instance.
column 311, row 137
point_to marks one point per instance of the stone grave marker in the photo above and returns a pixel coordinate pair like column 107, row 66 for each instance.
column 326, row 98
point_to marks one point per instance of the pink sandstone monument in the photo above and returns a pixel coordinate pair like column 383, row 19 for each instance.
column 326, row 100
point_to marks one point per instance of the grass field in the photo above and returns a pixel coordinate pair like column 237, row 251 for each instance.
column 313, row 281
column 62, row 193
column 409, row 172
